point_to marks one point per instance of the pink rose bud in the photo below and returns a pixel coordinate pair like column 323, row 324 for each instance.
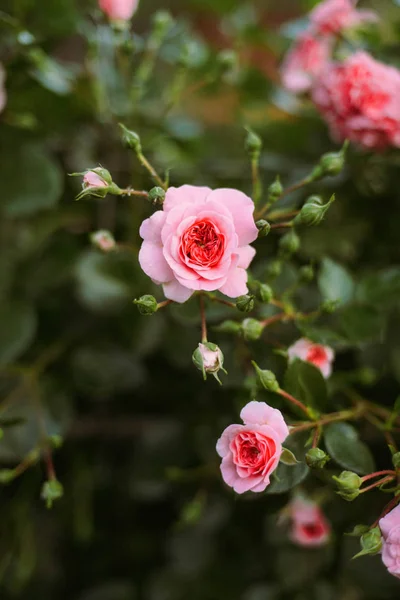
column 208, row 358
column 199, row 241
column 333, row 16
column 305, row 61
column 119, row 10
column 359, row 99
column 251, row 452
column 390, row 529
column 3, row 94
column 103, row 240
column 92, row 179
column 309, row 525
column 320, row 356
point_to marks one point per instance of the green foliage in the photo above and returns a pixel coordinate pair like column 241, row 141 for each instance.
column 306, row 383
column 344, row 446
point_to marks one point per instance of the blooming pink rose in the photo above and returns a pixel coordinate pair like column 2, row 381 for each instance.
column 119, row 10
column 199, row 241
column 359, row 98
column 332, row 16
column 251, row 452
column 3, row 94
column 309, row 525
column 305, row 60
column 93, row 180
column 316, row 354
column 390, row 528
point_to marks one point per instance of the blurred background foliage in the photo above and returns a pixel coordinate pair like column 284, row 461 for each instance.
column 144, row 513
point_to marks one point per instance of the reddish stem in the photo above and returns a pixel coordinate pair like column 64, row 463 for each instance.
column 294, row 400
column 164, row 303
column 376, row 484
column 377, row 474
column 203, row 319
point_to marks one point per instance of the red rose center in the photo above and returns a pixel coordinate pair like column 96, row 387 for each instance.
column 317, row 355
column 313, row 530
column 202, row 244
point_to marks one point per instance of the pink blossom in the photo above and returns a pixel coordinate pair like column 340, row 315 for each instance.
column 251, row 452
column 103, row 240
column 359, row 98
column 309, row 525
column 93, row 180
column 119, row 10
column 332, row 16
column 305, row 60
column 390, row 528
column 199, row 241
column 3, row 94
column 316, row 354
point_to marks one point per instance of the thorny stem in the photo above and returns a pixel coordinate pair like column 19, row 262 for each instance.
column 147, row 165
column 203, row 319
column 343, row 415
column 377, row 474
column 131, row 192
column 317, row 434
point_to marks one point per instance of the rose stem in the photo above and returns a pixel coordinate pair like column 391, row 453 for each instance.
column 203, row 320
column 294, row 400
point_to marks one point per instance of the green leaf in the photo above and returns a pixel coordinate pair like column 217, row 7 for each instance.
column 335, row 283
column 361, row 323
column 18, row 326
column 380, row 289
column 343, row 445
column 30, row 180
column 288, row 476
column 288, row 458
column 306, row 383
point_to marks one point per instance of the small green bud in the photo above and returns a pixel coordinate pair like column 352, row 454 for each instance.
column 329, row 306
column 227, row 60
column 306, row 274
column 253, row 143
column 6, row 475
column 349, row 484
column 289, row 243
column 162, row 21
column 316, row 458
column 274, row 269
column 147, row 305
column 103, row 240
column 245, row 303
column 130, row 139
column 252, row 329
column 209, row 359
column 52, row 490
column 228, row 326
column 56, row 440
column 266, row 378
column 263, row 228
column 275, row 191
column 157, row 195
column 313, row 211
column 265, row 293
column 332, row 163
column 371, row 542
column 396, row 460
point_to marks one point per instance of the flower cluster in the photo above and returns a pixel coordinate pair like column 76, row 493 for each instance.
column 357, row 96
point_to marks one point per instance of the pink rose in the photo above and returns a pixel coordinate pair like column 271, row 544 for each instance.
column 316, row 354
column 305, row 60
column 332, row 16
column 199, row 241
column 359, row 98
column 309, row 525
column 251, row 452
column 3, row 94
column 390, row 528
column 119, row 10
column 93, row 180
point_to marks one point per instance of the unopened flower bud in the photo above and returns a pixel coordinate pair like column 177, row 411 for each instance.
column 329, row 306
column 265, row 293
column 263, row 228
column 252, row 329
column 162, row 21
column 275, row 191
column 147, row 305
column 371, row 542
column 396, row 460
column 253, row 143
column 331, row 163
column 97, row 177
column 313, row 211
column 274, row 268
column 209, row 359
column 227, row 60
column 349, row 484
column 289, row 243
column 130, row 139
column 52, row 490
column 306, row 274
column 266, row 378
column 245, row 303
column 229, row 326
column 316, row 458
column 157, row 195
column 103, row 240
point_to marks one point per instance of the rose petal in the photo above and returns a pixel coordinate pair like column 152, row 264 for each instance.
column 173, row 290
column 153, row 263
column 185, row 194
column 241, row 208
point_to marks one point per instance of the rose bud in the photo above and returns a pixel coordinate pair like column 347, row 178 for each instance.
column 371, row 542
column 103, row 240
column 252, row 329
column 318, row 355
column 209, row 359
column 390, row 529
column 245, row 303
column 263, row 228
column 250, row 452
column 147, row 305
column 266, row 378
column 119, row 10
column 275, row 191
column 309, row 528
column 313, row 211
column 349, row 484
column 316, row 458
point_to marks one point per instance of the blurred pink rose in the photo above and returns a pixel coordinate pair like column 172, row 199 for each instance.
column 199, row 241
column 251, row 452
column 91, row 179
column 305, row 60
column 332, row 16
column 119, row 10
column 309, row 525
column 390, row 528
column 316, row 354
column 359, row 98
column 3, row 94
